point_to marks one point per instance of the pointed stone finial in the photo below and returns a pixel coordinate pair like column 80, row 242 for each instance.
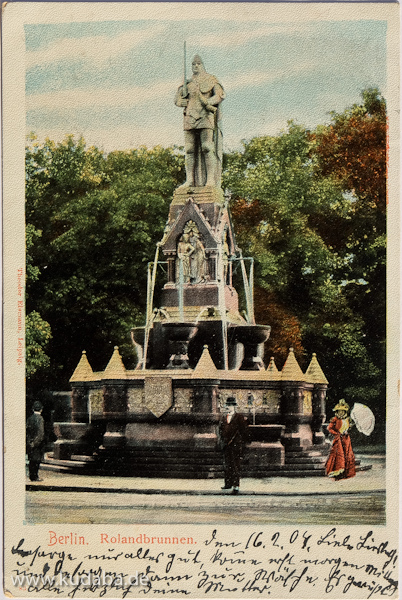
column 83, row 371
column 272, row 372
column 205, row 368
column 115, row 368
column 314, row 373
column 291, row 370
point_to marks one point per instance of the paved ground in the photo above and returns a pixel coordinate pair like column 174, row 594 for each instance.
column 62, row 498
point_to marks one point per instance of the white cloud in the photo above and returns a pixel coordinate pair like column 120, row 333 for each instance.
column 121, row 98
column 257, row 78
column 96, row 48
column 133, row 96
column 242, row 37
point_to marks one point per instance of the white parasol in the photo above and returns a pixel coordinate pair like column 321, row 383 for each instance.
column 363, row 418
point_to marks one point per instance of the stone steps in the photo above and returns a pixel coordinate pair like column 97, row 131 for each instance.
column 306, row 460
column 295, row 450
column 82, row 458
column 308, row 454
column 178, row 460
column 67, row 466
column 303, row 466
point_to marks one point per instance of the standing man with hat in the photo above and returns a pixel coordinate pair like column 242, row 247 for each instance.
column 35, row 440
column 233, row 431
column 341, row 460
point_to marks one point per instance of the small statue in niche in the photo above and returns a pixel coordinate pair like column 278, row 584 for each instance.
column 184, row 252
column 191, row 252
column 197, row 260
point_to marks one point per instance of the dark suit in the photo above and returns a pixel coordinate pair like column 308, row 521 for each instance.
column 35, row 443
column 234, row 436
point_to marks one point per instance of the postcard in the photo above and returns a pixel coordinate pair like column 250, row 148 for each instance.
column 201, row 299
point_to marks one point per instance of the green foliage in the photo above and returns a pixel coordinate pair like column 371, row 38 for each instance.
column 319, row 244
column 353, row 150
column 31, row 239
column 307, row 205
column 37, row 336
column 295, row 259
column 100, row 218
column 37, row 331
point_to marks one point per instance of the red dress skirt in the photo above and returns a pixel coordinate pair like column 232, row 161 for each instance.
column 341, row 460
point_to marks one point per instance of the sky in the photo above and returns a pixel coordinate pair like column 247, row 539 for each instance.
column 114, row 81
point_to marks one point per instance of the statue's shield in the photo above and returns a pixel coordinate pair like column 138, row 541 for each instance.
column 158, row 394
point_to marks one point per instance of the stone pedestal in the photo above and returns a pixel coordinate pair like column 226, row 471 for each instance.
column 114, row 411
column 195, row 351
column 210, row 198
column 297, row 429
column 115, row 435
column 70, row 440
column 266, row 450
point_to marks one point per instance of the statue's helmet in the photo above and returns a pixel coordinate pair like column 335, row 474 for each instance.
column 197, row 58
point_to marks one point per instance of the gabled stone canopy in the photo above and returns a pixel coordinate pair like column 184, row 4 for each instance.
column 211, row 232
column 191, row 212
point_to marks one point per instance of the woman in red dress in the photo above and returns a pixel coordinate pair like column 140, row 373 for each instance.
column 341, row 460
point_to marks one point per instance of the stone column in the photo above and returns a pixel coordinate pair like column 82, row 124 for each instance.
column 115, row 412
column 319, row 396
column 205, row 397
column 70, row 434
column 79, row 403
column 297, row 433
column 212, row 266
column 171, row 272
column 205, row 401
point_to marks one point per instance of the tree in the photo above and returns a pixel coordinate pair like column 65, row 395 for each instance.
column 353, row 150
column 37, row 336
column 277, row 203
column 37, row 331
column 309, row 206
column 99, row 228
column 295, row 220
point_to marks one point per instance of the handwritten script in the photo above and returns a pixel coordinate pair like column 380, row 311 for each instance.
column 269, row 563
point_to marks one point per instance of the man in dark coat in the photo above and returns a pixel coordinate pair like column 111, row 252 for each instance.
column 35, row 440
column 234, row 435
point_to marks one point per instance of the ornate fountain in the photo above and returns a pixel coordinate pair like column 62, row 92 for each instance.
column 197, row 349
